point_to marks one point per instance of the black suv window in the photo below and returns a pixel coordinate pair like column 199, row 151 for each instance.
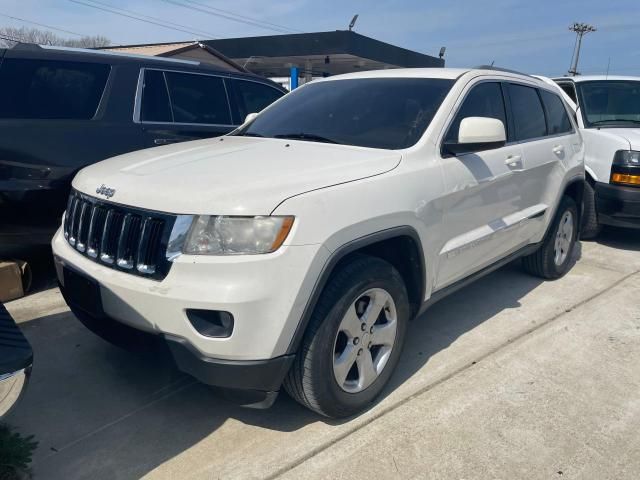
column 528, row 115
column 156, row 106
column 570, row 90
column 47, row 89
column 484, row 100
column 251, row 97
column 557, row 118
column 198, row 99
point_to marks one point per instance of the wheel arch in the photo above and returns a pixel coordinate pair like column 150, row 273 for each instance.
column 590, row 174
column 400, row 246
column 575, row 190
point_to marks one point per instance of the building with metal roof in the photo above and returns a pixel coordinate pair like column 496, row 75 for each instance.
column 319, row 54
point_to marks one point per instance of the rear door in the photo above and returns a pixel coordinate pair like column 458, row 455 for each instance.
column 484, row 200
column 178, row 106
column 549, row 144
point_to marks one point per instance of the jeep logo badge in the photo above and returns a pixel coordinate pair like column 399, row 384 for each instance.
column 106, row 191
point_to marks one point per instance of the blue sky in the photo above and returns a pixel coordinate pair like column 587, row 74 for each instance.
column 531, row 36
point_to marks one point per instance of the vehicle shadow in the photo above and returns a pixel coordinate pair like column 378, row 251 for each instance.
column 100, row 412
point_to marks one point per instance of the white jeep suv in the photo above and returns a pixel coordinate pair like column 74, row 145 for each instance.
column 295, row 250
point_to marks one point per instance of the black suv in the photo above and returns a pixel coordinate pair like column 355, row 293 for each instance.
column 62, row 109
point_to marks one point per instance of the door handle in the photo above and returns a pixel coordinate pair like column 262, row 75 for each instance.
column 558, row 150
column 165, row 141
column 513, row 161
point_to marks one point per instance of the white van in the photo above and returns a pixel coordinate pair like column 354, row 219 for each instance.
column 608, row 114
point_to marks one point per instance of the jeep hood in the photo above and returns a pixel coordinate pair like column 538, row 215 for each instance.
column 229, row 175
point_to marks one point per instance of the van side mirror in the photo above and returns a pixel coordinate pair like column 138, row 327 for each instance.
column 477, row 134
column 249, row 118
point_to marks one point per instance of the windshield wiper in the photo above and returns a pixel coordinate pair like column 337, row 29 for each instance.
column 248, row 134
column 305, row 136
column 615, row 120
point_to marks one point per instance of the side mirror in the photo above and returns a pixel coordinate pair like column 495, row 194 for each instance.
column 249, row 118
column 477, row 134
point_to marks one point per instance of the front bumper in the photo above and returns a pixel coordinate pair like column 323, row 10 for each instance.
column 617, row 205
column 264, row 293
column 259, row 380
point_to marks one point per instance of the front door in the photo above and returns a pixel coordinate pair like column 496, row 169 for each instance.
column 484, row 199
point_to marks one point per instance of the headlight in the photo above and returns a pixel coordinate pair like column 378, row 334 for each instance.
column 627, row 157
column 626, row 168
column 220, row 235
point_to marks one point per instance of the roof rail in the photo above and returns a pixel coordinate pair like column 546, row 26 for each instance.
column 500, row 69
column 106, row 53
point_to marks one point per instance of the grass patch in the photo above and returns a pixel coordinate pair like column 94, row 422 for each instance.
column 15, row 453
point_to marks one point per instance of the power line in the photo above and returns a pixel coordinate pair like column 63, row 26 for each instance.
column 163, row 24
column 220, row 10
column 148, row 17
column 254, row 23
column 41, row 25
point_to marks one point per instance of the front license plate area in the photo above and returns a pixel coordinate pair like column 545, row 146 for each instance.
column 83, row 292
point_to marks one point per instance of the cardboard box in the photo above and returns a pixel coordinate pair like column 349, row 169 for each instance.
column 10, row 281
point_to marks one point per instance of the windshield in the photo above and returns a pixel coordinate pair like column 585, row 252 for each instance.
column 610, row 103
column 389, row 113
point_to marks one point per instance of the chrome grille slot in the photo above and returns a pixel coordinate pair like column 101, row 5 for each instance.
column 83, row 226
column 123, row 238
column 111, row 236
column 96, row 227
column 149, row 239
column 73, row 222
column 128, row 241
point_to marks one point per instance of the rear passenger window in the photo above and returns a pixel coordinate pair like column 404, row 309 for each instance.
column 484, row 100
column 198, row 99
column 528, row 115
column 251, row 97
column 557, row 118
column 46, row 89
column 155, row 98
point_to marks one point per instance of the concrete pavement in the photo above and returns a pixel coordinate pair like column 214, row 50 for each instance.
column 510, row 378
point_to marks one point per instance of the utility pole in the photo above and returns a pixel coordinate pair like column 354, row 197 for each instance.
column 581, row 29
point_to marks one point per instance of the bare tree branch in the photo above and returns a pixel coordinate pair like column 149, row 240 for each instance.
column 9, row 36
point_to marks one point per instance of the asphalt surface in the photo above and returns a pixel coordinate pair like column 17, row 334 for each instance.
column 511, row 377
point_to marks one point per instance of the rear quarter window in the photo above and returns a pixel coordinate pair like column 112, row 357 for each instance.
column 47, row 89
column 557, row 119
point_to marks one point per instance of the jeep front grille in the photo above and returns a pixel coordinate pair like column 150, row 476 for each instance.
column 128, row 239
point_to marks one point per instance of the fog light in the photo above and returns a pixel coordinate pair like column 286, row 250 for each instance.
column 211, row 323
column 625, row 178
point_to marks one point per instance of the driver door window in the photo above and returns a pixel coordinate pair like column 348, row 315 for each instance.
column 485, row 100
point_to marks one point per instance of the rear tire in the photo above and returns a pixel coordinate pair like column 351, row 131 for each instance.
column 590, row 226
column 353, row 341
column 554, row 257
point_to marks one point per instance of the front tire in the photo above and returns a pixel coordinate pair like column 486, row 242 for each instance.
column 554, row 257
column 353, row 341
